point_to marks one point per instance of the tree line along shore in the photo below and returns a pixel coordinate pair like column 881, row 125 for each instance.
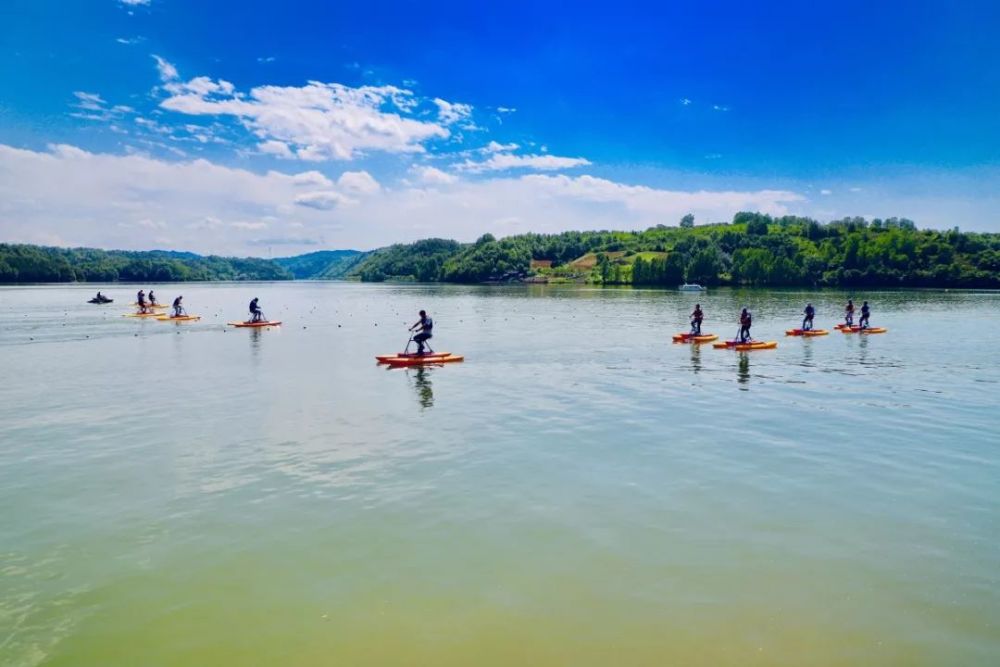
column 754, row 249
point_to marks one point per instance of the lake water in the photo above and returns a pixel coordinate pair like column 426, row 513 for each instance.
column 579, row 492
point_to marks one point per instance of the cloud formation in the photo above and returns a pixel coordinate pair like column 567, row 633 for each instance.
column 68, row 196
column 432, row 175
column 497, row 147
column 506, row 161
column 167, row 71
column 450, row 113
column 317, row 121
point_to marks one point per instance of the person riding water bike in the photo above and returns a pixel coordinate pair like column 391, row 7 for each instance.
column 152, row 298
column 140, row 300
column 426, row 326
column 696, row 318
column 256, row 315
column 178, row 308
column 746, row 321
column 810, row 313
column 865, row 314
column 849, row 313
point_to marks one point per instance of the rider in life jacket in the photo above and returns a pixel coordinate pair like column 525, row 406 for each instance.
column 810, row 313
column 426, row 326
column 746, row 321
column 696, row 317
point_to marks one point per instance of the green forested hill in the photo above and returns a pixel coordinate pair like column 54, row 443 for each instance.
column 27, row 263
column 753, row 249
column 422, row 261
column 321, row 265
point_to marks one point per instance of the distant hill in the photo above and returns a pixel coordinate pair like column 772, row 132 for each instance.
column 321, row 265
column 39, row 264
column 754, row 249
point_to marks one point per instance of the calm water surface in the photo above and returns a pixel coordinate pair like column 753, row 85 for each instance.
column 579, row 492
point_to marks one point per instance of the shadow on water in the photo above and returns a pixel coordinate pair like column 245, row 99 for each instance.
column 422, row 383
column 743, row 371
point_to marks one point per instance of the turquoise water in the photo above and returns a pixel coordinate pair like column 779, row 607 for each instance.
column 579, row 491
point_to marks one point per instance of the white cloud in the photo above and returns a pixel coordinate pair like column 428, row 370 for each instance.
column 152, row 125
column 506, row 109
column 266, row 59
column 134, row 3
column 129, row 41
column 450, row 113
column 496, row 147
column 93, row 107
column 358, row 182
column 685, row 101
column 248, row 225
column 720, row 107
column 279, row 148
column 113, row 200
column 313, row 178
column 432, row 175
column 166, row 70
column 89, row 199
column 826, row 192
column 855, row 189
column 318, row 121
column 89, row 101
column 644, row 199
column 146, row 223
column 504, row 161
column 322, row 201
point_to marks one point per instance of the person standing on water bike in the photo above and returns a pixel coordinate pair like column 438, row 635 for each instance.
column 426, row 326
column 256, row 315
column 696, row 317
column 178, row 308
column 152, row 298
column 746, row 321
column 849, row 313
column 865, row 313
column 810, row 313
column 140, row 300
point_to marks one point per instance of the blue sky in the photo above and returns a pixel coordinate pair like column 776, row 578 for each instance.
column 257, row 128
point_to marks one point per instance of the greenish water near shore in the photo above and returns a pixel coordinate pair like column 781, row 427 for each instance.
column 579, row 491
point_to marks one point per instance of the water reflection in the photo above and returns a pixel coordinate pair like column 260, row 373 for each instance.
column 695, row 357
column 743, row 371
column 422, row 383
column 807, row 352
column 862, row 348
column 255, row 336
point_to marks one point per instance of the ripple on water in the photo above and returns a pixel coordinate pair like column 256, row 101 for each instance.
column 578, row 483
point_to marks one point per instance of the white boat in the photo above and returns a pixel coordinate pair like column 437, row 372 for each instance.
column 691, row 287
